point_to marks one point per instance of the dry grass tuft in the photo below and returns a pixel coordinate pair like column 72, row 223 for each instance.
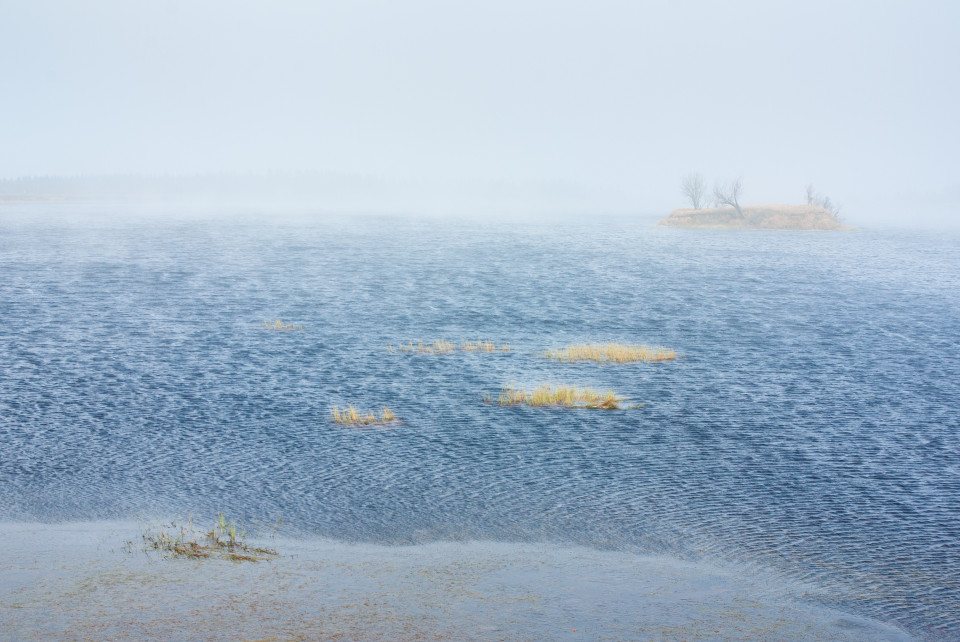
column 350, row 417
column 442, row 346
column 610, row 352
column 562, row 396
column 280, row 326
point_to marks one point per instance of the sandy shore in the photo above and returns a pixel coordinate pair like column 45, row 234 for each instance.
column 93, row 580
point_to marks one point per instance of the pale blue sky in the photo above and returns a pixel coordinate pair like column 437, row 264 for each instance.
column 620, row 98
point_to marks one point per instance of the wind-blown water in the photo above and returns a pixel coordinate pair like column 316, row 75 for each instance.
column 811, row 424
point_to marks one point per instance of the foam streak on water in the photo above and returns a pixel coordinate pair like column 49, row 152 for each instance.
column 811, row 424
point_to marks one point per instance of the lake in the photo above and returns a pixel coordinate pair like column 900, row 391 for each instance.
column 810, row 425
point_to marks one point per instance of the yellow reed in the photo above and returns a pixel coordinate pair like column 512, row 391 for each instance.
column 610, row 352
column 350, row 417
column 563, row 396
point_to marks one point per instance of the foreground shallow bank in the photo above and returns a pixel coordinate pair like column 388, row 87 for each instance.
column 758, row 217
column 83, row 580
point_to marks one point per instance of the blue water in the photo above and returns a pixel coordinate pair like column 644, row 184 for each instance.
column 811, row 424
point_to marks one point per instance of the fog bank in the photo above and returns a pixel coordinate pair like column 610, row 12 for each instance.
column 616, row 99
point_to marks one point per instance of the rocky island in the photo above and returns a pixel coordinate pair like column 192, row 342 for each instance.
column 757, row 217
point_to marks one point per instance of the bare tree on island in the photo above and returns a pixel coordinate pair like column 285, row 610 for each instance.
column 694, row 188
column 729, row 194
column 820, row 200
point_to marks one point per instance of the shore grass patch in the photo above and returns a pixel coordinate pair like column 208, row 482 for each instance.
column 610, row 353
column 350, row 417
column 226, row 540
column 562, row 396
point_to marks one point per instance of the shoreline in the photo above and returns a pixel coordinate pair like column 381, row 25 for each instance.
column 92, row 579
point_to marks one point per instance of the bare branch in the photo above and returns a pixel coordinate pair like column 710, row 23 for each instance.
column 694, row 188
column 820, row 200
column 729, row 194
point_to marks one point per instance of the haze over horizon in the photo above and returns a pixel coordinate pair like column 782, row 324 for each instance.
column 603, row 105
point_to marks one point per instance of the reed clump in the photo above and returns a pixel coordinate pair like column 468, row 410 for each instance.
column 350, row 417
column 563, row 396
column 226, row 540
column 280, row 326
column 442, row 346
column 610, row 353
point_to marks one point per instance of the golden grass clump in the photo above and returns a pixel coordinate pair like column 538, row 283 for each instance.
column 563, row 396
column 610, row 352
column 280, row 326
column 442, row 346
column 350, row 417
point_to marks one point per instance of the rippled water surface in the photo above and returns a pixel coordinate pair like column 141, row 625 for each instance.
column 811, row 424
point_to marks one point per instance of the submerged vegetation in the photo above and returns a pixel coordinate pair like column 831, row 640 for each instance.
column 483, row 346
column 561, row 396
column 226, row 540
column 442, row 346
column 350, row 417
column 280, row 326
column 610, row 352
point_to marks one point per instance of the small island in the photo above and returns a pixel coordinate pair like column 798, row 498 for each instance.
column 757, row 217
column 819, row 213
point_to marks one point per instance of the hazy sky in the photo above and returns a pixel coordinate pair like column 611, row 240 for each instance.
column 619, row 98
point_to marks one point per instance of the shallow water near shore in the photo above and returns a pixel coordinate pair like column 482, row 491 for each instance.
column 93, row 580
column 810, row 427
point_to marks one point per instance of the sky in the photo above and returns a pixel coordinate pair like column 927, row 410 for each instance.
column 605, row 104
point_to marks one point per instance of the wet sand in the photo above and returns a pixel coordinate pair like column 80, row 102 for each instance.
column 93, row 580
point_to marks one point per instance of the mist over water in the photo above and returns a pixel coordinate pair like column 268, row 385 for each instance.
column 810, row 425
column 176, row 174
column 606, row 103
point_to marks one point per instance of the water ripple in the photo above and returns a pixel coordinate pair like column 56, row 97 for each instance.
column 810, row 425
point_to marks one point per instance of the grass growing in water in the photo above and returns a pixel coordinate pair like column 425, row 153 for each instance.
column 280, row 326
column 562, row 396
column 226, row 540
column 610, row 352
column 350, row 417
column 442, row 346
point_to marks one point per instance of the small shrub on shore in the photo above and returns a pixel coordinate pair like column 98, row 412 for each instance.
column 280, row 326
column 350, row 417
column 560, row 396
column 610, row 352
